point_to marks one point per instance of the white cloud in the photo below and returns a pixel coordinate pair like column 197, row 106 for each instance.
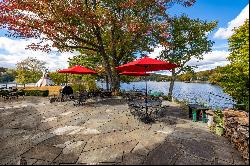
column 225, row 33
column 156, row 52
column 13, row 51
column 211, row 60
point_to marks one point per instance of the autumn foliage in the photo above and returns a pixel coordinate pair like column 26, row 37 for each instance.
column 113, row 29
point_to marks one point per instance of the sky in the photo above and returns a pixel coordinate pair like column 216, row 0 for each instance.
column 228, row 13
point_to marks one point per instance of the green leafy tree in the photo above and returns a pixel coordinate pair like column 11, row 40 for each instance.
column 8, row 75
column 2, row 70
column 204, row 75
column 188, row 39
column 234, row 78
column 83, row 80
column 58, row 78
column 188, row 76
column 216, row 75
column 29, row 70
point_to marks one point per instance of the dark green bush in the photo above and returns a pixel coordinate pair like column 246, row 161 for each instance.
column 166, row 98
column 20, row 93
column 43, row 93
column 4, row 92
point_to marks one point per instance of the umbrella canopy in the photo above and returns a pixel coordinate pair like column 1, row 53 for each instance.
column 78, row 70
column 146, row 64
column 64, row 71
column 134, row 73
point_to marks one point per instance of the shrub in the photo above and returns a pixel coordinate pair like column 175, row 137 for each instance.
column 43, row 93
column 218, row 118
column 167, row 98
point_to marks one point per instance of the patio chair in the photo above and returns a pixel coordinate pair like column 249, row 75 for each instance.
column 66, row 94
column 105, row 94
column 5, row 94
column 80, row 99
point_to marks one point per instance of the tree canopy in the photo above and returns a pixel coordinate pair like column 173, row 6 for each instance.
column 234, row 78
column 112, row 29
column 29, row 70
column 7, row 75
column 188, row 39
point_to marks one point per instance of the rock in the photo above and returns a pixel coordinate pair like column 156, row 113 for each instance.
column 236, row 125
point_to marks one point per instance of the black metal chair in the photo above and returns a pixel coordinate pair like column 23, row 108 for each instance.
column 67, row 93
column 80, row 98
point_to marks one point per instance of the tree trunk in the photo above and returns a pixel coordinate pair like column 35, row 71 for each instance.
column 105, row 57
column 107, row 82
column 116, row 83
column 115, row 62
column 171, row 87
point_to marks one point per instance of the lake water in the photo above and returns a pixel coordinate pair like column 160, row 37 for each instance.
column 205, row 93
column 208, row 94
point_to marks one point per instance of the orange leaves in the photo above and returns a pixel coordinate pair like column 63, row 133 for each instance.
column 128, row 4
column 45, row 48
column 165, row 44
column 78, row 20
column 134, row 27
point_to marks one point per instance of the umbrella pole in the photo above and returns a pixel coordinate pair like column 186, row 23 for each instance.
column 66, row 79
column 146, row 99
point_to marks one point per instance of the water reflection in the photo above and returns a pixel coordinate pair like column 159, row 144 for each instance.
column 207, row 94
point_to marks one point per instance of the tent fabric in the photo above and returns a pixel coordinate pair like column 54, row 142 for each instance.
column 44, row 81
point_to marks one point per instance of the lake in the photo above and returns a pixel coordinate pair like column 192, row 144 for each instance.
column 211, row 95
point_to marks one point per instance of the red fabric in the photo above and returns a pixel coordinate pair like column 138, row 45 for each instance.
column 64, row 71
column 146, row 64
column 78, row 70
column 134, row 73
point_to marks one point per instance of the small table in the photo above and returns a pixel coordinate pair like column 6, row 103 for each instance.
column 195, row 109
column 150, row 103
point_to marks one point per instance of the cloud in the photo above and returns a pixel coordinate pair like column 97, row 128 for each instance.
column 156, row 52
column 225, row 33
column 211, row 60
column 13, row 51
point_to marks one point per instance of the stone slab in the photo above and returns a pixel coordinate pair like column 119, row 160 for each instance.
column 47, row 153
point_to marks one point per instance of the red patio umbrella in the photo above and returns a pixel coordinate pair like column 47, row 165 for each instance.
column 77, row 70
column 134, row 73
column 146, row 64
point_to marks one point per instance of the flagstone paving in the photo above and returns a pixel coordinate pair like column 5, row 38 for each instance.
column 105, row 132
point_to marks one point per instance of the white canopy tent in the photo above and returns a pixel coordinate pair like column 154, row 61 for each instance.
column 45, row 81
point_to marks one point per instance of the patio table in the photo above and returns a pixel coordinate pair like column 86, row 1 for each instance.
column 150, row 103
column 196, row 109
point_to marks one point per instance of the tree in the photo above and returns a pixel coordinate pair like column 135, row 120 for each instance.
column 113, row 29
column 188, row 40
column 8, row 75
column 57, row 78
column 234, row 78
column 92, row 62
column 29, row 70
column 188, row 76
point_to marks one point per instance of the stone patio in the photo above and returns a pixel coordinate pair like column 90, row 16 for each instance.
column 104, row 132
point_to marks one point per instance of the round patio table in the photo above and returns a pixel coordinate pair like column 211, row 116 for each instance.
column 150, row 103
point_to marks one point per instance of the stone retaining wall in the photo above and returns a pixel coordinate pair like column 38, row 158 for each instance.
column 236, row 124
